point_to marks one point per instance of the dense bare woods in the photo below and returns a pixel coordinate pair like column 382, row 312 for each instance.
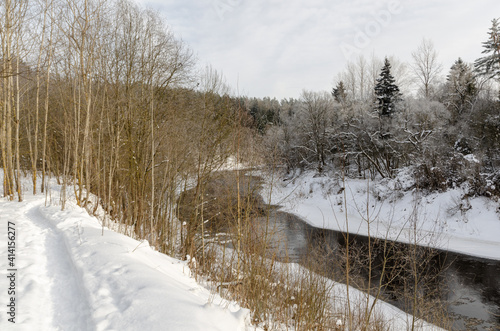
column 101, row 95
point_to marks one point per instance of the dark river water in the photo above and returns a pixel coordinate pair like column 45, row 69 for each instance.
column 468, row 286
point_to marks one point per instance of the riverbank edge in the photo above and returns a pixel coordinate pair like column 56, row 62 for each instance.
column 438, row 218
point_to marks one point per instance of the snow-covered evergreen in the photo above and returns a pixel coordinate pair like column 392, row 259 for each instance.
column 386, row 91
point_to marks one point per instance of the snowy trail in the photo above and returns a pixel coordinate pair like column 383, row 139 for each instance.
column 71, row 277
column 47, row 283
column 62, row 280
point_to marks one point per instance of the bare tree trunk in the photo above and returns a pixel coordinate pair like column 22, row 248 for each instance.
column 8, row 100
column 34, row 155
column 46, row 105
column 17, row 120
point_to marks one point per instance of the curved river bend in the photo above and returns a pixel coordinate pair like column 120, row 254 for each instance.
column 467, row 287
column 471, row 285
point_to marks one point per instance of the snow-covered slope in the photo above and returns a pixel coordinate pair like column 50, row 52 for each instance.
column 67, row 275
column 70, row 277
column 389, row 209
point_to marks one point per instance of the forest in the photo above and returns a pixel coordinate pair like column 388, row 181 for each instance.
column 381, row 117
column 103, row 97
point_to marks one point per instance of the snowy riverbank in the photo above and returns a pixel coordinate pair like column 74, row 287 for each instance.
column 390, row 208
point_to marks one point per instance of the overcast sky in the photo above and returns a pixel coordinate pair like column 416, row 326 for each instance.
column 277, row 48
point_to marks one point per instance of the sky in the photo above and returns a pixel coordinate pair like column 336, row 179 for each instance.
column 278, row 48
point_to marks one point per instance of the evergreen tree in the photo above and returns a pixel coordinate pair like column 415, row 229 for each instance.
column 339, row 93
column 386, row 91
column 461, row 87
column 490, row 64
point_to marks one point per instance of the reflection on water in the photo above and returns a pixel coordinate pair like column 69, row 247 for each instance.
column 475, row 292
column 470, row 286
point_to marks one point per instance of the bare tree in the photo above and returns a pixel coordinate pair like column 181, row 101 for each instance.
column 359, row 78
column 49, row 48
column 316, row 115
column 11, row 30
column 7, row 95
column 22, row 7
column 426, row 66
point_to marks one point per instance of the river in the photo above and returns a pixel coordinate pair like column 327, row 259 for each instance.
column 467, row 287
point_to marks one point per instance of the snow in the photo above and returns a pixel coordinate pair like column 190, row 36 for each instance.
column 70, row 277
column 391, row 208
column 232, row 163
column 74, row 275
column 393, row 317
column 471, row 158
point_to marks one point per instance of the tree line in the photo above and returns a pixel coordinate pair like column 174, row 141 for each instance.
column 382, row 116
column 102, row 96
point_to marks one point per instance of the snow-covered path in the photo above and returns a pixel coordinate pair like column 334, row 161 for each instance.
column 47, row 274
column 70, row 277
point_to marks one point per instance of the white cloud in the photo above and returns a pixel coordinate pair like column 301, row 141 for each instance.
column 277, row 48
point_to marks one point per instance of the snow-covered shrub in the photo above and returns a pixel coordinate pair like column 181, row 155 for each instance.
column 458, row 170
column 492, row 185
column 430, row 178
